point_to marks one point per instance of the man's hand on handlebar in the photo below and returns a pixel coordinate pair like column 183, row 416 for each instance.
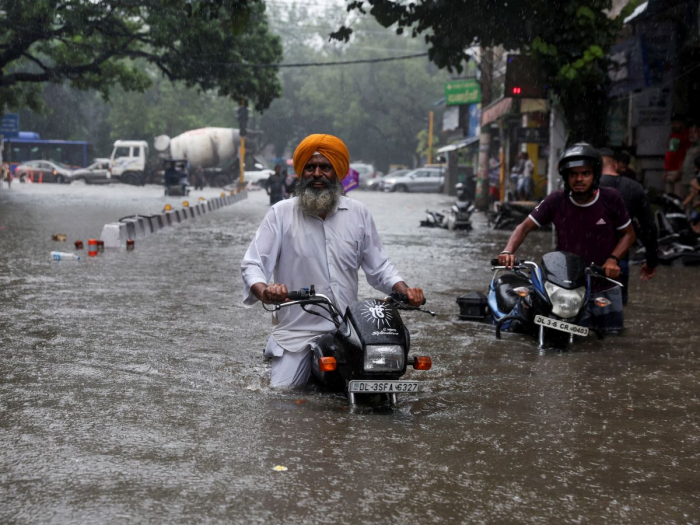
column 506, row 259
column 415, row 296
column 612, row 270
column 272, row 294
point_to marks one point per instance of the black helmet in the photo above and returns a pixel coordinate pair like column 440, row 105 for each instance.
column 581, row 154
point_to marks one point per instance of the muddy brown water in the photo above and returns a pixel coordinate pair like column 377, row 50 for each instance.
column 133, row 389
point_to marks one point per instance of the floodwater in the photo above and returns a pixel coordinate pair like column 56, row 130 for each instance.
column 133, row 388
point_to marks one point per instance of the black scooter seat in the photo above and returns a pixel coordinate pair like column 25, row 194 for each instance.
column 506, row 298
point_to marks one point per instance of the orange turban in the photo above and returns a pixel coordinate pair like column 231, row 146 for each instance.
column 329, row 146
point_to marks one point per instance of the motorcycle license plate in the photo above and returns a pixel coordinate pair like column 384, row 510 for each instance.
column 390, row 387
column 562, row 326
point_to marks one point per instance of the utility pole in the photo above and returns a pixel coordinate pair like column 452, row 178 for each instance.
column 430, row 139
column 242, row 131
column 482, row 179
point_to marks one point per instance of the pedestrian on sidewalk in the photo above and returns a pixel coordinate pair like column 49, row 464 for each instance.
column 525, row 180
column 678, row 144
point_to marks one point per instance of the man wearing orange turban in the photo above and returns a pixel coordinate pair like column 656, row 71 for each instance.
column 322, row 238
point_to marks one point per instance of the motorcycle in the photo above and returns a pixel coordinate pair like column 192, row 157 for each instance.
column 509, row 214
column 175, row 179
column 458, row 217
column 368, row 352
column 545, row 301
column 677, row 240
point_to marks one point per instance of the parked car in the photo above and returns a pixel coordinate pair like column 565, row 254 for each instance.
column 418, row 180
column 366, row 173
column 96, row 173
column 377, row 184
column 44, row 171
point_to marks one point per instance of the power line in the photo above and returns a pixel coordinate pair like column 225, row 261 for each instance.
column 318, row 64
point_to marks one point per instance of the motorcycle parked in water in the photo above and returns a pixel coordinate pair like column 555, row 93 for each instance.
column 458, row 217
column 545, row 301
column 677, row 240
column 509, row 214
column 368, row 353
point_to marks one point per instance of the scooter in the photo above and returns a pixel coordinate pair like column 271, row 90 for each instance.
column 545, row 301
column 509, row 214
column 677, row 240
column 459, row 214
column 368, row 352
column 458, row 217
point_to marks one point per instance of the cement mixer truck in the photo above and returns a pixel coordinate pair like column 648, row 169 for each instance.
column 213, row 149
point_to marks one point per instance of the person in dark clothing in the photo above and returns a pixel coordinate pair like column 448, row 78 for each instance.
column 290, row 182
column 199, row 178
column 275, row 186
column 637, row 205
column 622, row 167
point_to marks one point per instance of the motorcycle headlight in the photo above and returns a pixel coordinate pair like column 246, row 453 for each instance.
column 565, row 303
column 383, row 358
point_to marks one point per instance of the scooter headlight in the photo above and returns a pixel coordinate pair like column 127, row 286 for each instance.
column 565, row 303
column 383, row 358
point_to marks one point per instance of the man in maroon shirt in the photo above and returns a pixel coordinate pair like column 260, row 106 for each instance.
column 590, row 222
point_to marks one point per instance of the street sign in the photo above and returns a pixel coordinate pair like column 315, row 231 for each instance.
column 9, row 125
column 532, row 135
column 459, row 92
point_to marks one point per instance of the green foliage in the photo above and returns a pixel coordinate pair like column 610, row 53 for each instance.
column 97, row 45
column 422, row 147
column 569, row 39
column 377, row 109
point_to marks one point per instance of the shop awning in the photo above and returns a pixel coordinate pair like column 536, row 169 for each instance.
column 459, row 145
column 495, row 110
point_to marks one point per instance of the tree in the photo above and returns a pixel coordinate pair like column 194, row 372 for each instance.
column 376, row 108
column 569, row 39
column 215, row 45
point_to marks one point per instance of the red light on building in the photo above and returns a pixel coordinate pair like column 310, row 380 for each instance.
column 516, row 91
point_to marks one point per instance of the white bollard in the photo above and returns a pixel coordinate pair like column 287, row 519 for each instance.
column 114, row 234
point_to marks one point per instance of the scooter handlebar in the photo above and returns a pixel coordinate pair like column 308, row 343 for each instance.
column 401, row 298
column 516, row 263
column 598, row 271
column 304, row 293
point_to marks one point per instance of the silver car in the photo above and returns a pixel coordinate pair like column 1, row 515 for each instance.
column 44, row 171
column 378, row 183
column 96, row 173
column 418, row 180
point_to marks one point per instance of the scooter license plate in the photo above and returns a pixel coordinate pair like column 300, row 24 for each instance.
column 389, row 387
column 560, row 325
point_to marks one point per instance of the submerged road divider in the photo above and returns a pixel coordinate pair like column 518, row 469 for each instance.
column 115, row 234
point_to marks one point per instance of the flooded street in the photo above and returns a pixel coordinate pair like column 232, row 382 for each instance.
column 133, row 386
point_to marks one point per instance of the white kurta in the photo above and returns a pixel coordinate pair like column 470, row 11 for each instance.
column 300, row 250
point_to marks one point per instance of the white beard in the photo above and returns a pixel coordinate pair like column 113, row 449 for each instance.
column 318, row 202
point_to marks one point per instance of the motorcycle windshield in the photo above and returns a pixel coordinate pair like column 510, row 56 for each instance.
column 564, row 269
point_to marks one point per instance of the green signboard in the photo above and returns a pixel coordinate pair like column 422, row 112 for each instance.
column 459, row 92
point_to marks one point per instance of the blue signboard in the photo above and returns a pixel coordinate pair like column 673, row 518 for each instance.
column 9, row 125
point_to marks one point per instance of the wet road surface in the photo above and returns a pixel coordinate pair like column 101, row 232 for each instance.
column 133, row 387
